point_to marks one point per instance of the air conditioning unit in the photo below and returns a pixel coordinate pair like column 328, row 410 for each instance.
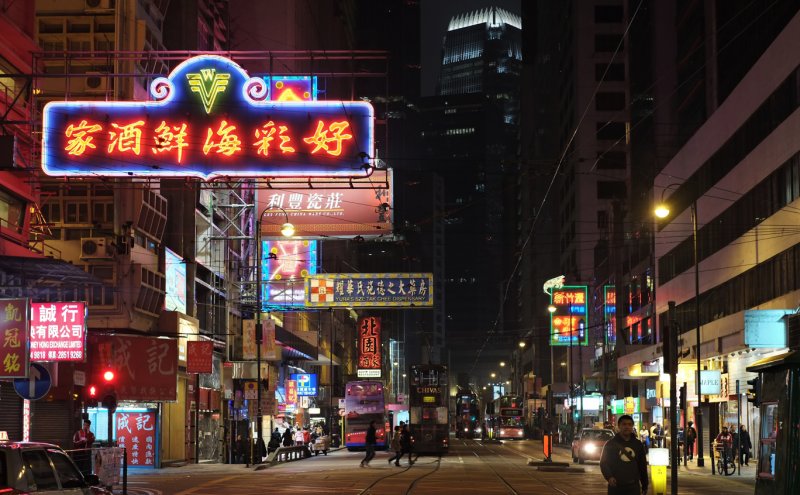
column 98, row 5
column 96, row 248
column 96, row 82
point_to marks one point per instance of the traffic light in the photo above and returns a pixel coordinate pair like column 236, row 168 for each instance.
column 754, row 390
column 109, row 394
column 90, row 398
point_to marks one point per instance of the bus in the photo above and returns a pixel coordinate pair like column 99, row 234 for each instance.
column 509, row 418
column 468, row 414
column 428, row 408
column 364, row 402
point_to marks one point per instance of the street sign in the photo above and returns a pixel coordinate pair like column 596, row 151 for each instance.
column 79, row 378
column 36, row 385
column 250, row 391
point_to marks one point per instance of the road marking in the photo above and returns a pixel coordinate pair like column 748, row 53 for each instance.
column 460, row 460
column 206, row 485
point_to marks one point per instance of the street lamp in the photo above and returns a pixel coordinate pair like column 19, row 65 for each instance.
column 287, row 230
column 502, row 363
column 662, row 211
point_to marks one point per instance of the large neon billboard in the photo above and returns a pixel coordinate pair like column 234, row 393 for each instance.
column 284, row 268
column 208, row 119
column 568, row 321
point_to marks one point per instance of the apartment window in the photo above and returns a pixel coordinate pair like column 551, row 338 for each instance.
column 616, row 72
column 611, row 160
column 52, row 212
column 605, row 14
column 12, row 212
column 608, row 43
column 152, row 288
column 602, row 220
column 103, row 295
column 609, row 101
column 76, row 211
column 102, row 212
column 153, row 214
column 611, row 189
column 611, row 131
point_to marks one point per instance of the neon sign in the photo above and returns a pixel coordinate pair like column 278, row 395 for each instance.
column 210, row 119
column 369, row 346
column 568, row 322
column 284, row 268
column 292, row 88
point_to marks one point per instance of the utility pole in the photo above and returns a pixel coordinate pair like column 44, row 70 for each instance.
column 671, row 367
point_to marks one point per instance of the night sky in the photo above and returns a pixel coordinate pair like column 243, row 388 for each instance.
column 435, row 16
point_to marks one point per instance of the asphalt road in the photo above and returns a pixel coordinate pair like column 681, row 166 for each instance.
column 470, row 468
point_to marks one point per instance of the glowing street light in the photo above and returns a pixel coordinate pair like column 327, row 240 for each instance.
column 502, row 363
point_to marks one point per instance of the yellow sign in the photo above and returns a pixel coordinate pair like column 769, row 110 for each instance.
column 208, row 83
column 659, row 476
column 630, row 405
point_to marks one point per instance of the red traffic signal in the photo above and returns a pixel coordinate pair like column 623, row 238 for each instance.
column 108, row 376
column 92, row 391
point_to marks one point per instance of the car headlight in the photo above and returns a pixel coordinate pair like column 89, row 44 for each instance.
column 520, row 432
column 590, row 448
column 477, row 430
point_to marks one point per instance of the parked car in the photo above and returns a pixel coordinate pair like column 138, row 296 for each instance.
column 589, row 444
column 42, row 467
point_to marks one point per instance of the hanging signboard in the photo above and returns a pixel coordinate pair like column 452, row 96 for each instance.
column 136, row 432
column 306, row 384
column 369, row 347
column 146, row 368
column 284, row 268
column 291, row 88
column 389, row 290
column 199, row 356
column 568, row 321
column 14, row 351
column 58, row 331
column 363, row 209
column 610, row 312
column 209, row 119
column 291, row 392
column 765, row 327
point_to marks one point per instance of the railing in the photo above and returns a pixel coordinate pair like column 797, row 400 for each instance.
column 285, row 454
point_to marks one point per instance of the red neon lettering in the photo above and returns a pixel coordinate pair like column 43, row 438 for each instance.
column 126, row 137
column 168, row 138
column 228, row 144
column 81, row 137
column 322, row 141
column 265, row 135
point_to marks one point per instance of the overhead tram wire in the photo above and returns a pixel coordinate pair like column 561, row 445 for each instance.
column 558, row 167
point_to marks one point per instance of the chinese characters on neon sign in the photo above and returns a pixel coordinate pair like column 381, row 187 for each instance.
column 209, row 119
column 568, row 324
column 58, row 331
column 13, row 338
column 369, row 347
column 610, row 310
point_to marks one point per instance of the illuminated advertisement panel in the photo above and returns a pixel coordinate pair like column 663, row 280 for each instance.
column 291, row 88
column 329, row 212
column 58, row 331
column 284, row 268
column 389, row 290
column 208, row 119
column 175, row 272
column 306, row 384
column 568, row 322
column 610, row 311
column 14, row 352
column 369, row 347
column 291, row 392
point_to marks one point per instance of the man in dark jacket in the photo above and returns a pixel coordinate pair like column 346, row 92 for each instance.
column 623, row 462
column 369, row 443
column 406, row 442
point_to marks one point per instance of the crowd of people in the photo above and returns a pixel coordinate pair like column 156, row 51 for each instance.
column 401, row 443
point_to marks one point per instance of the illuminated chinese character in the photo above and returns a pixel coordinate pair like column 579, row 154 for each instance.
column 332, row 144
column 12, row 338
column 11, row 363
column 265, row 135
column 334, row 201
column 123, row 423
column 168, row 138
column 229, row 142
column 80, row 137
column 126, row 137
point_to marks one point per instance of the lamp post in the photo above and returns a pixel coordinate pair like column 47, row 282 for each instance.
column 662, row 211
column 520, row 379
column 287, row 230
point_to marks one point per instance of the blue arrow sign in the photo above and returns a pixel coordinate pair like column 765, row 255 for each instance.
column 36, row 385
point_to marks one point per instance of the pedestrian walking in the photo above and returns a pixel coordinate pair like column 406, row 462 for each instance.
column 691, row 436
column 239, row 447
column 394, row 444
column 274, row 441
column 299, row 438
column 83, row 439
column 406, row 442
column 369, row 444
column 744, row 437
column 624, row 462
column 288, row 438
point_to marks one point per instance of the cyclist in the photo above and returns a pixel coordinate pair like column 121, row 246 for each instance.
column 725, row 442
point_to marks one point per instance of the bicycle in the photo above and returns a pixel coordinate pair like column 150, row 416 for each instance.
column 725, row 462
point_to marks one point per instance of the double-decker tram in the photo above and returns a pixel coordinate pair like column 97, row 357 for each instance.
column 428, row 408
column 364, row 402
column 468, row 414
column 509, row 417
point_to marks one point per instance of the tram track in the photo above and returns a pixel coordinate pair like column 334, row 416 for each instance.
column 437, row 462
column 524, row 469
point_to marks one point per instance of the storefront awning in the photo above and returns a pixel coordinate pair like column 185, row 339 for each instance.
column 18, row 271
column 781, row 360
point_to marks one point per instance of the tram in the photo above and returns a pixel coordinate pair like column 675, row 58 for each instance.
column 468, row 414
column 428, row 408
column 509, row 418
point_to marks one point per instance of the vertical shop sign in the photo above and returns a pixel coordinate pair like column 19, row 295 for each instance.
column 136, row 431
column 369, row 347
column 248, row 340
column 199, row 356
column 269, row 350
column 58, row 331
column 291, row 391
column 14, row 350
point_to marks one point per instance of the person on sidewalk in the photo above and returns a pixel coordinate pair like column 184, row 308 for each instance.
column 288, row 437
column 624, row 462
column 369, row 444
column 691, row 436
column 394, row 444
column 406, row 442
column 725, row 443
column 83, row 439
column 746, row 446
column 299, row 438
